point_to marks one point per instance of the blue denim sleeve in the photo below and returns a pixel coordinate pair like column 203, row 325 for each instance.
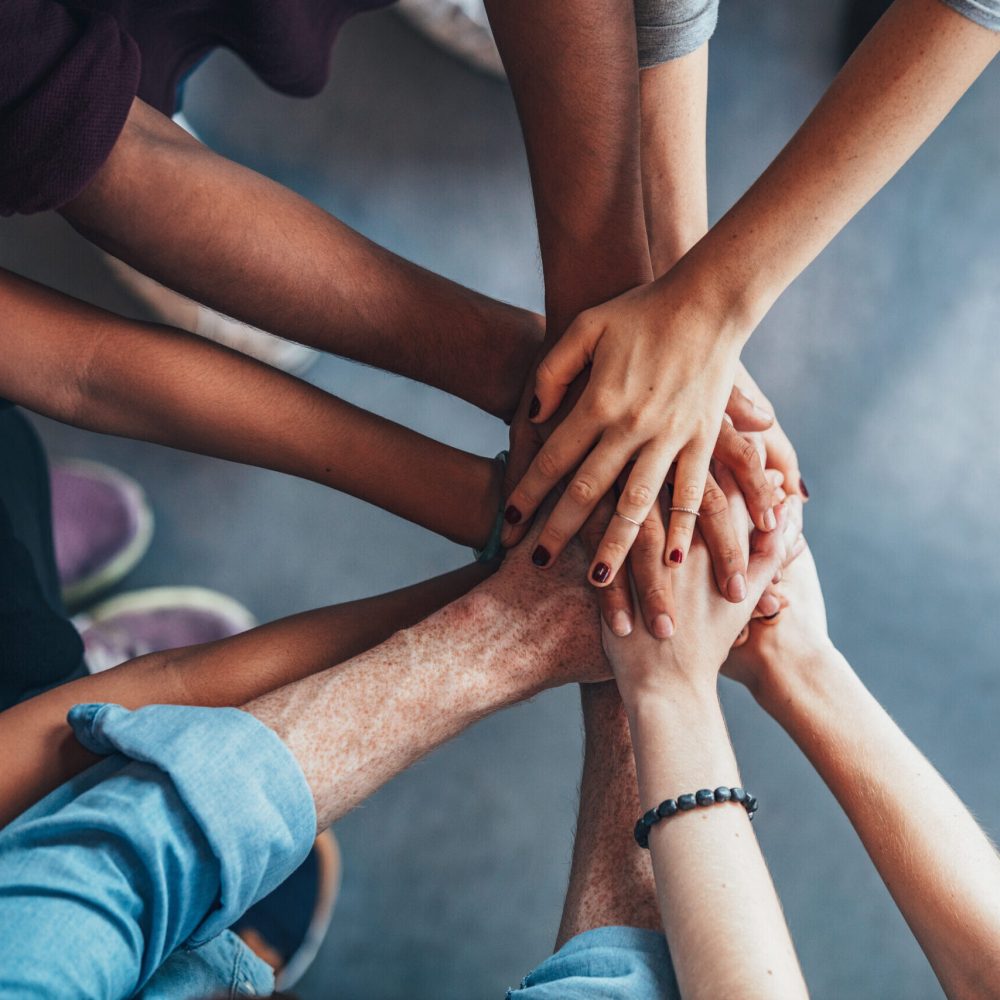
column 984, row 12
column 198, row 813
column 607, row 963
column 669, row 29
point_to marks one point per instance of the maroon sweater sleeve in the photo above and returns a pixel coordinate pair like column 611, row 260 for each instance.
column 67, row 80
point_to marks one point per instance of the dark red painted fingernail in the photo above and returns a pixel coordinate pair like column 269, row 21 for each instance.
column 541, row 556
column 534, row 408
column 677, row 556
column 511, row 515
column 802, row 488
column 600, row 573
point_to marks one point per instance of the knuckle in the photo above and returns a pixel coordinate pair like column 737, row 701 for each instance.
column 746, row 453
column 638, row 496
column 582, row 491
column 602, row 403
column 714, row 501
column 654, row 596
column 548, row 464
column 690, row 494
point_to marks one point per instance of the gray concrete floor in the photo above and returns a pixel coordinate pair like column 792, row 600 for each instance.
column 883, row 363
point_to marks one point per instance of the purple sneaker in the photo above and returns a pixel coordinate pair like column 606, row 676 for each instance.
column 102, row 527
column 147, row 621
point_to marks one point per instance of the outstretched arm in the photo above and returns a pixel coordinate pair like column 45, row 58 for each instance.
column 90, row 368
column 250, row 248
column 663, row 357
column 42, row 752
column 721, row 914
column 942, row 870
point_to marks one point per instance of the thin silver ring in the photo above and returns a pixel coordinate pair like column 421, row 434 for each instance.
column 631, row 520
column 687, row 510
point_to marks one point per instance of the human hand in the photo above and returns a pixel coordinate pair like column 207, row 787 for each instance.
column 645, row 666
column 552, row 616
column 770, row 650
column 657, row 392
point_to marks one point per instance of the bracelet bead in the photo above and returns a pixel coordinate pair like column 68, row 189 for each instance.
column 704, row 797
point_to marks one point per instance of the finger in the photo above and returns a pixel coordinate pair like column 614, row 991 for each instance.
column 742, row 637
column 767, row 550
column 723, row 544
column 563, row 451
column 652, row 580
column 781, row 455
column 772, row 602
column 689, row 487
column 616, row 599
column 740, row 456
column 747, row 414
column 525, row 443
column 593, row 480
column 568, row 357
column 641, row 491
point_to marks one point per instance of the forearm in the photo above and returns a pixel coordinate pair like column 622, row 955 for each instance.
column 42, row 752
column 89, row 368
column 893, row 92
column 674, row 172
column 574, row 77
column 252, row 249
column 611, row 881
column 941, row 869
column 356, row 726
column 721, row 914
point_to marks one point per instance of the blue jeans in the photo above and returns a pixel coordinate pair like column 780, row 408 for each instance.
column 122, row 882
column 141, row 863
column 608, row 963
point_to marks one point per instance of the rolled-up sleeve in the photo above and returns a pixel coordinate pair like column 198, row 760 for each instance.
column 669, row 29
column 196, row 815
column 67, row 81
column 984, row 12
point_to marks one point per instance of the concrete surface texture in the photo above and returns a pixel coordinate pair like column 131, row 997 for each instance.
column 883, row 363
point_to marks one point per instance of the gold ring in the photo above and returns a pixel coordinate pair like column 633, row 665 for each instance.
column 687, row 510
column 631, row 520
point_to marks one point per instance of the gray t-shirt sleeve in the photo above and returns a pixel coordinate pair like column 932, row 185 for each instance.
column 669, row 29
column 984, row 12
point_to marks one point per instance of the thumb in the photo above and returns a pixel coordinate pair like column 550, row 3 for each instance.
column 568, row 357
column 746, row 414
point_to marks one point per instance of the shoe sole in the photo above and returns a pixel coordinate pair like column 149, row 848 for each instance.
column 79, row 594
column 154, row 598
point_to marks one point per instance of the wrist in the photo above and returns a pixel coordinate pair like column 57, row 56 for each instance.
column 663, row 694
column 791, row 686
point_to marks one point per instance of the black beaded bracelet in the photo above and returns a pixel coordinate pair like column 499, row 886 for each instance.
column 683, row 803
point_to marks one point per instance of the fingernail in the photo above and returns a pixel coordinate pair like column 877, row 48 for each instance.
column 600, row 573
column 663, row 626
column 677, row 556
column 511, row 515
column 534, row 408
column 737, row 587
column 762, row 414
column 768, row 618
column 769, row 606
column 621, row 624
column 770, row 521
column 802, row 488
column 541, row 556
